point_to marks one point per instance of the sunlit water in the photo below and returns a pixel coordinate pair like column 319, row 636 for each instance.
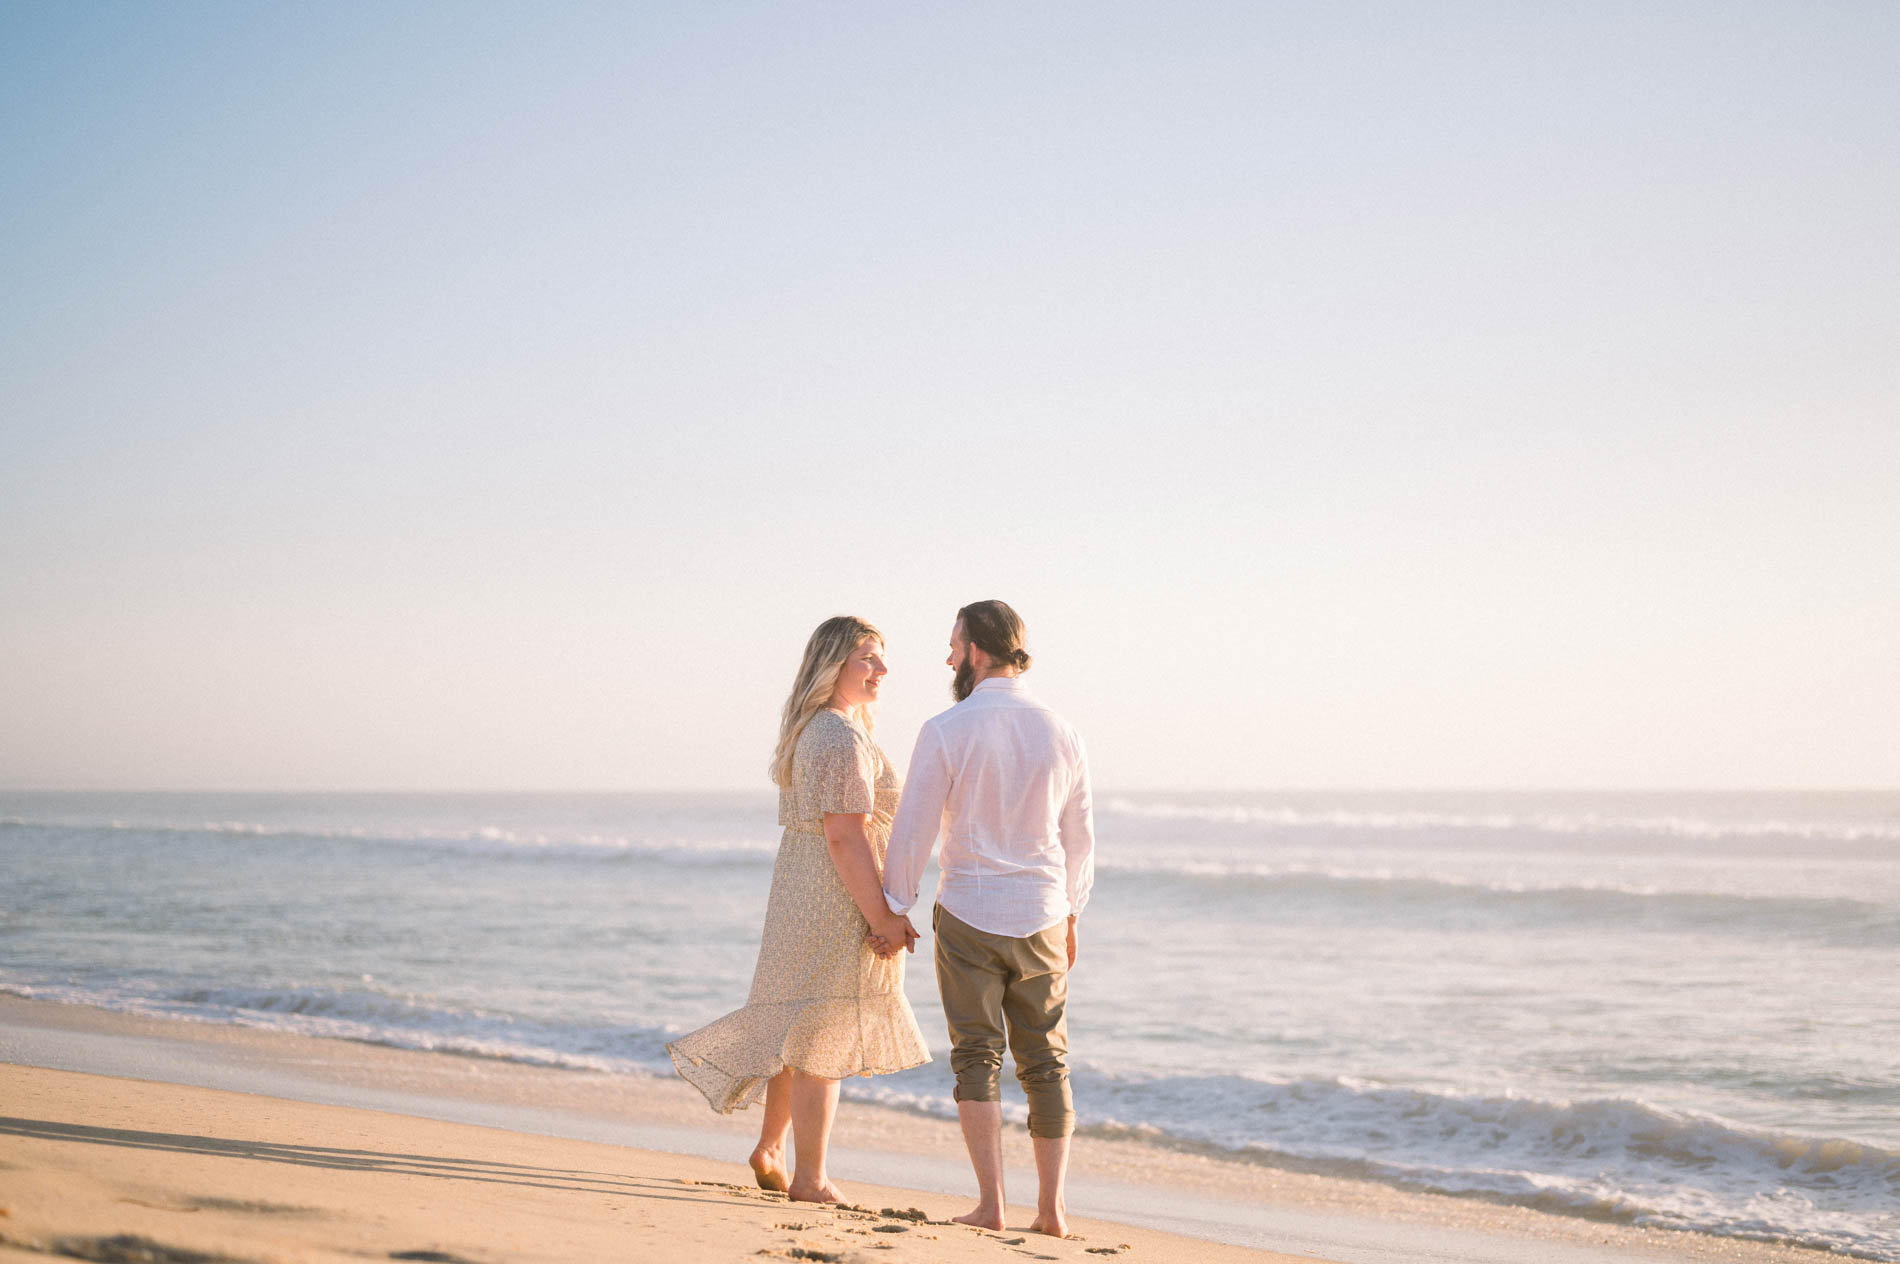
column 1676, row 1010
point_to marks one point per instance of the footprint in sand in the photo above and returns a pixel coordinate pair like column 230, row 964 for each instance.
column 130, row 1246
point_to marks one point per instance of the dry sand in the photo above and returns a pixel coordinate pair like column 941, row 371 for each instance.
column 635, row 1168
column 102, row 1168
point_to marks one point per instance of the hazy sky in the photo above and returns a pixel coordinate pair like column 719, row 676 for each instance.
column 494, row 397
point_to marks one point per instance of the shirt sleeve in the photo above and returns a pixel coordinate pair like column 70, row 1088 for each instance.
column 1076, row 828
column 845, row 774
column 919, row 818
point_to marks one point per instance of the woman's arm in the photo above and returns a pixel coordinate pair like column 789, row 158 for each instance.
column 849, row 841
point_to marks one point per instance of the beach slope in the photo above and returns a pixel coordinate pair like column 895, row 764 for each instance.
column 102, row 1168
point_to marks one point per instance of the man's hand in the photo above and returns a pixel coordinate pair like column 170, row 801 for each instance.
column 890, row 936
column 1071, row 941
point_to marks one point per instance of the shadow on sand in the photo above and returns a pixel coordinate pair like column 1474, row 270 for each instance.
column 443, row 1167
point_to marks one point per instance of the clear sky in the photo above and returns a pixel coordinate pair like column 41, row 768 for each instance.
column 476, row 396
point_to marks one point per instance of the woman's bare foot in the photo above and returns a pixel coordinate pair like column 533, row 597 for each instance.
column 802, row 1192
column 768, row 1168
column 1055, row 1224
column 982, row 1217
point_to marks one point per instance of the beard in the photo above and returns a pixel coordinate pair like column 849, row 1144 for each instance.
column 964, row 682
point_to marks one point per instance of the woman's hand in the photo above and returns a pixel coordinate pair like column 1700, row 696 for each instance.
column 849, row 842
column 890, row 934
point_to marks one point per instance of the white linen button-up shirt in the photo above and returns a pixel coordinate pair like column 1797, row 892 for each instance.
column 1005, row 781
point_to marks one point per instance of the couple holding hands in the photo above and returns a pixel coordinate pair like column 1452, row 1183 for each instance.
column 1004, row 781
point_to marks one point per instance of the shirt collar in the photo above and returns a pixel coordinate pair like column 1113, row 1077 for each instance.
column 1011, row 683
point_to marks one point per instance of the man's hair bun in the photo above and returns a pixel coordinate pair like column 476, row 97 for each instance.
column 997, row 630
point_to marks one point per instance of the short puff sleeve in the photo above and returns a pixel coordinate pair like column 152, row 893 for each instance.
column 839, row 766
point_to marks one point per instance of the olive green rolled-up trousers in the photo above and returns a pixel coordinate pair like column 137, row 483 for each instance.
column 999, row 988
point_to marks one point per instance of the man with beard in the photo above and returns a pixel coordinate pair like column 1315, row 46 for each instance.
column 1005, row 780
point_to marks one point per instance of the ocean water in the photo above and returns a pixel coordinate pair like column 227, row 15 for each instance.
column 1666, row 1009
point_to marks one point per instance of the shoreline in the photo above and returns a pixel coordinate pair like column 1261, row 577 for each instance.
column 1117, row 1185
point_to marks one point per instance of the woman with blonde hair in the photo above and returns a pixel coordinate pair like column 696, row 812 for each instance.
column 824, row 1003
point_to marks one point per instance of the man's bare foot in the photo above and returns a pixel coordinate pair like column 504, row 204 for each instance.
column 982, row 1218
column 802, row 1192
column 1056, row 1225
column 768, row 1168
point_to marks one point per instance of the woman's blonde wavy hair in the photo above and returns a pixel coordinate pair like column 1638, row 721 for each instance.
column 830, row 644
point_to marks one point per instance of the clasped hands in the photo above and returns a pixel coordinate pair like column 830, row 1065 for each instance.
column 892, row 934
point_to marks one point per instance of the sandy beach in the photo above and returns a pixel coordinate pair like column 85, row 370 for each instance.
column 124, row 1134
column 173, row 1173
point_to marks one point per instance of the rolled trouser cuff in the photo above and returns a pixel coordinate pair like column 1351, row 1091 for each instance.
column 1051, row 1108
column 976, row 1086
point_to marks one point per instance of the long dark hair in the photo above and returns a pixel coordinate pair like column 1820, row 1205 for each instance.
column 997, row 630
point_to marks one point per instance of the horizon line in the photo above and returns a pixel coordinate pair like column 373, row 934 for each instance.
column 1098, row 791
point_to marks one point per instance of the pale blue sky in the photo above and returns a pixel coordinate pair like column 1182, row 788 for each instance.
column 475, row 396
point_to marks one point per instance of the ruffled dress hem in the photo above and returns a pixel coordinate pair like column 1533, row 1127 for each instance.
column 714, row 1063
